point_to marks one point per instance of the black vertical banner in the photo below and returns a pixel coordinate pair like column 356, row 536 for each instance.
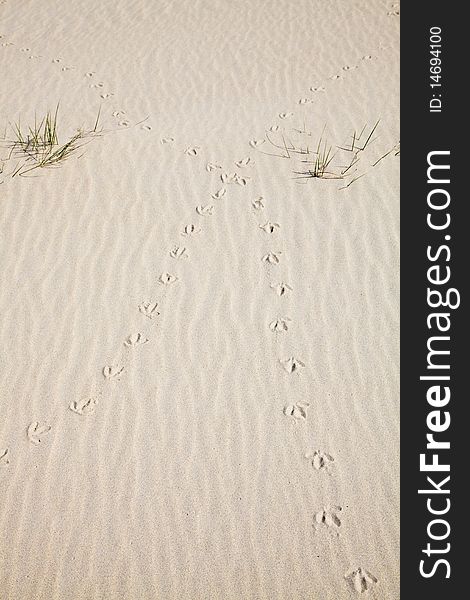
column 435, row 249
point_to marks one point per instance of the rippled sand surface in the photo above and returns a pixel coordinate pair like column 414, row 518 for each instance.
column 199, row 368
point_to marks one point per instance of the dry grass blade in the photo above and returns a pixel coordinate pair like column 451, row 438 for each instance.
column 328, row 161
column 38, row 146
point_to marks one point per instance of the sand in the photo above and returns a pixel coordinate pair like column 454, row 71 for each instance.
column 199, row 370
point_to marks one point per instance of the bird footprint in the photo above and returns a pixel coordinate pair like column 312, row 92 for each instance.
column 205, row 211
column 167, row 279
column 361, row 580
column 112, row 372
column 328, row 517
column 149, row 309
column 83, row 407
column 321, row 461
column 190, row 230
column 228, row 177
column 256, row 143
column 297, row 411
column 281, row 289
column 272, row 258
column 219, row 194
column 179, row 252
column 36, row 432
column 241, row 180
column 269, row 227
column 280, row 325
column 258, row 203
column 192, row 150
column 134, row 340
column 292, row 364
column 4, row 460
column 244, row 162
column 212, row 167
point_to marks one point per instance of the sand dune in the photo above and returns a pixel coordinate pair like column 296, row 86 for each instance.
column 199, row 376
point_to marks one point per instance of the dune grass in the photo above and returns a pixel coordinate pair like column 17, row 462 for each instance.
column 38, row 146
column 326, row 160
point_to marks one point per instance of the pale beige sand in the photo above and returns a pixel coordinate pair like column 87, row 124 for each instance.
column 188, row 481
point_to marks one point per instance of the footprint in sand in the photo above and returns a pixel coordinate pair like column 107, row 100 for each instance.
column 335, row 77
column 205, row 211
column 90, row 74
column 98, row 85
column 6, row 44
column 244, row 162
column 112, row 372
column 178, row 252
column 228, row 177
column 242, row 180
column 167, row 140
column 281, row 289
column 258, row 203
column 106, row 95
column 4, row 457
column 286, row 115
column 124, row 123
column 56, row 60
column 319, row 88
column 83, row 407
column 117, row 114
column 367, row 57
column 270, row 227
column 297, row 411
column 280, row 325
column 149, row 309
column 272, row 258
column 305, row 100
column 192, row 150
column 361, row 580
column 219, row 194
column 212, row 167
column 25, row 49
column 292, row 364
column 189, row 230
column 167, row 279
column 320, row 461
column 256, row 143
column 36, row 431
column 327, row 517
column 146, row 127
column 68, row 68
column 135, row 339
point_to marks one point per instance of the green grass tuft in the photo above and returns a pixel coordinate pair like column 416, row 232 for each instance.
column 38, row 147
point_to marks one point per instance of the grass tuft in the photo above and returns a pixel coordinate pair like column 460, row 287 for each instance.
column 38, row 147
column 328, row 161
